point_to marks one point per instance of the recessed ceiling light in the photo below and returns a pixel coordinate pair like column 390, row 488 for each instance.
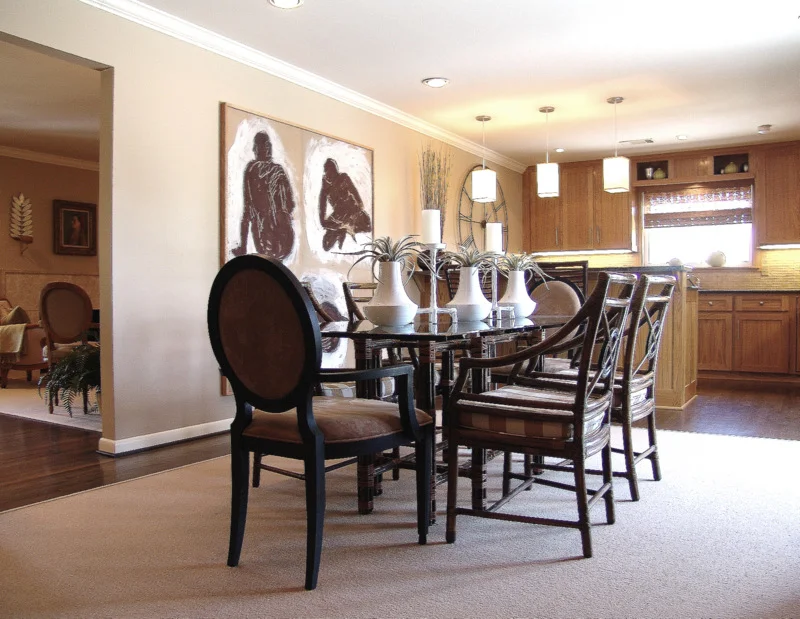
column 559, row 150
column 286, row 4
column 682, row 137
column 436, row 82
column 762, row 129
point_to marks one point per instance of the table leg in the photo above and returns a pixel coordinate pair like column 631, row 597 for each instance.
column 426, row 401
column 366, row 464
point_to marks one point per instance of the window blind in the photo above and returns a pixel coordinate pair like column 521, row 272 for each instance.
column 698, row 206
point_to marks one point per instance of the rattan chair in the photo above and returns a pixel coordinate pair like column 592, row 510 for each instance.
column 532, row 417
column 266, row 338
column 635, row 381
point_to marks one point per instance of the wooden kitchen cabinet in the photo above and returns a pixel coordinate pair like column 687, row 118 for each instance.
column 778, row 194
column 583, row 217
column 746, row 332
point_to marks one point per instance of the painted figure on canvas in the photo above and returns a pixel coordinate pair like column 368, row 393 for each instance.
column 268, row 204
column 75, row 230
column 347, row 214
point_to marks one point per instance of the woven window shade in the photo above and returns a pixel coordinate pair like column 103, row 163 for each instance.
column 698, row 206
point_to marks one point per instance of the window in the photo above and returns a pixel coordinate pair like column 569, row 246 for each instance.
column 691, row 223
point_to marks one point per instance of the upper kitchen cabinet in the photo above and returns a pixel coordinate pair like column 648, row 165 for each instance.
column 583, row 217
column 778, row 194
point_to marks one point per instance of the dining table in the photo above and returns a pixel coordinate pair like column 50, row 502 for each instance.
column 439, row 340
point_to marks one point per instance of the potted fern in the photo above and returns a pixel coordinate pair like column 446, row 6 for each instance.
column 73, row 376
column 390, row 305
column 469, row 300
column 518, row 268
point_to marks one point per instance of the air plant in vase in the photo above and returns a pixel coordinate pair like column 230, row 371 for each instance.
column 469, row 300
column 390, row 305
column 518, row 268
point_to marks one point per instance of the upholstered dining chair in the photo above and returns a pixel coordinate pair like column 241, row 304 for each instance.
column 530, row 416
column 266, row 339
column 65, row 312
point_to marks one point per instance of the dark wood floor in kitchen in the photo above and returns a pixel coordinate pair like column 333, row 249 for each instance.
column 40, row 461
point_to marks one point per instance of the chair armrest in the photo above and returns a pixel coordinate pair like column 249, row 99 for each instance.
column 344, row 374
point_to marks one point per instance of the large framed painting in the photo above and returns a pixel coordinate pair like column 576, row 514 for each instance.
column 298, row 195
column 74, row 228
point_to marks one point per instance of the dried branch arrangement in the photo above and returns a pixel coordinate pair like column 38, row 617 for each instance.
column 434, row 178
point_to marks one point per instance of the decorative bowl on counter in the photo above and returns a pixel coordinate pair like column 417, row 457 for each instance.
column 716, row 259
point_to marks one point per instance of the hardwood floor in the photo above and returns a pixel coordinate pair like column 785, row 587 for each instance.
column 40, row 461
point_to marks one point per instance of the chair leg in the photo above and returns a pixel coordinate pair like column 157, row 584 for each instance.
column 651, row 431
column 4, row 377
column 452, row 488
column 608, row 478
column 583, row 505
column 85, row 402
column 240, row 465
column 396, row 469
column 366, row 483
column 257, row 468
column 507, row 472
column 315, row 514
column 424, row 459
column 630, row 462
column 29, row 375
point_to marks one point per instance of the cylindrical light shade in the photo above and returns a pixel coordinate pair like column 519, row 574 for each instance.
column 547, row 180
column 494, row 237
column 431, row 227
column 484, row 185
column 616, row 174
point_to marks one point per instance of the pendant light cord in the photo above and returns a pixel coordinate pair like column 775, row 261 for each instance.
column 483, row 131
column 616, row 143
column 546, row 138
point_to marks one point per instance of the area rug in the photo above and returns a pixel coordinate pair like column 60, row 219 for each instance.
column 717, row 537
column 22, row 399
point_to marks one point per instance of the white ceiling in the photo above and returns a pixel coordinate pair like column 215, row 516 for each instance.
column 711, row 70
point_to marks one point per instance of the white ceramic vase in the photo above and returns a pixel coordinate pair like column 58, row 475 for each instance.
column 390, row 306
column 517, row 296
column 469, row 301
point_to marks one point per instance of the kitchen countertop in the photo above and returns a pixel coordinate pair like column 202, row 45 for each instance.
column 644, row 269
column 749, row 291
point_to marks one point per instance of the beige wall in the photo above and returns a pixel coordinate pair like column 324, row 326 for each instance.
column 21, row 273
column 160, row 203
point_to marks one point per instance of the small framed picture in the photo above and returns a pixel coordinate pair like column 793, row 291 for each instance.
column 74, row 228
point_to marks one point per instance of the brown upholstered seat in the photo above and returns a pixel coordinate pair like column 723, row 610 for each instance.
column 65, row 311
column 536, row 416
column 29, row 356
column 265, row 335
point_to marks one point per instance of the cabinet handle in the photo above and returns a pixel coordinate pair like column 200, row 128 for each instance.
column 556, row 236
column 711, row 303
column 761, row 303
column 597, row 233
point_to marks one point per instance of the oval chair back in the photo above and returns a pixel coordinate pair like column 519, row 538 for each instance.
column 66, row 313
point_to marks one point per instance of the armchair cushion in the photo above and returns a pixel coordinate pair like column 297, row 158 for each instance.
column 15, row 316
column 338, row 419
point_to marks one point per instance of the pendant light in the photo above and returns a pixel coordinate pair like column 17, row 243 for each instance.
column 547, row 173
column 616, row 170
column 484, row 181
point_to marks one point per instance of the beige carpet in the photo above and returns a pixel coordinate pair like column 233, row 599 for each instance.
column 22, row 399
column 718, row 537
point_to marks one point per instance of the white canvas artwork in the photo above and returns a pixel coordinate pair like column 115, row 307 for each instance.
column 300, row 196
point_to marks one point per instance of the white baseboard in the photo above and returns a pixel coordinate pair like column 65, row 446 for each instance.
column 148, row 441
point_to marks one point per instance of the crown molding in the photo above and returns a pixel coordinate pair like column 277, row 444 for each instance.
column 30, row 155
column 182, row 30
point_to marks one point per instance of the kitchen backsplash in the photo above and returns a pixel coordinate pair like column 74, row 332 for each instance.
column 780, row 270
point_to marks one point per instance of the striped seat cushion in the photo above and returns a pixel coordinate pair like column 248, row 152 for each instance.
column 338, row 419
column 534, row 421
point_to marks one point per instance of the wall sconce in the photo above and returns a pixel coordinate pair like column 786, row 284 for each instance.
column 21, row 221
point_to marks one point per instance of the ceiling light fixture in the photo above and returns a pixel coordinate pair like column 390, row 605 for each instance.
column 436, row 82
column 762, row 129
column 286, row 4
column 682, row 137
column 616, row 170
column 484, row 181
column 559, row 150
column 547, row 173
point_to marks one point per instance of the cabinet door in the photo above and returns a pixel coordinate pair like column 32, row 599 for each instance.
column 762, row 342
column 576, row 197
column 714, row 341
column 613, row 216
column 545, row 222
column 778, row 195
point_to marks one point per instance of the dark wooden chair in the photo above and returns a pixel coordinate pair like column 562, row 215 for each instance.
column 635, row 381
column 530, row 416
column 575, row 271
column 266, row 338
column 65, row 312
